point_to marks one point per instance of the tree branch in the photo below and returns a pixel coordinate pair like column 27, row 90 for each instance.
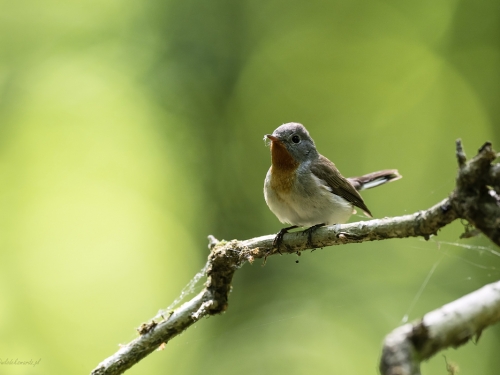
column 475, row 198
column 451, row 325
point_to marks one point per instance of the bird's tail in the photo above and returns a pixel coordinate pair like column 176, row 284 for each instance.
column 374, row 179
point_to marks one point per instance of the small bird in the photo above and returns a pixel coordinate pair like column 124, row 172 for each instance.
column 305, row 189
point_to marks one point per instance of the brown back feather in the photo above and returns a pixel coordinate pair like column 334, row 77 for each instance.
column 328, row 172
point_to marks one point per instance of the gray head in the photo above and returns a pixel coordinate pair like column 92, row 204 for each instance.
column 296, row 139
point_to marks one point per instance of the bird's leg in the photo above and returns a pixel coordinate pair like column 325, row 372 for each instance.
column 279, row 237
column 310, row 231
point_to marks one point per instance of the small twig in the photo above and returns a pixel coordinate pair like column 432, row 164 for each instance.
column 461, row 157
column 212, row 241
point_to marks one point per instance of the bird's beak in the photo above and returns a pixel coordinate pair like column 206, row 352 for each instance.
column 272, row 138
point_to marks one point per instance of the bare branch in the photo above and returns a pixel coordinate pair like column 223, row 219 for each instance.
column 449, row 326
column 478, row 183
column 474, row 199
column 152, row 336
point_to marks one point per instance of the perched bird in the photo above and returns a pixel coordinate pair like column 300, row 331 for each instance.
column 305, row 189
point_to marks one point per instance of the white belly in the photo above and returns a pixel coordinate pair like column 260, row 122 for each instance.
column 307, row 204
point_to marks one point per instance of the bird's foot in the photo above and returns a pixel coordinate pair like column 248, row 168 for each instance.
column 279, row 237
column 310, row 231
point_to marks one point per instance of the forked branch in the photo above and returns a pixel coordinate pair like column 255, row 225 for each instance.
column 476, row 199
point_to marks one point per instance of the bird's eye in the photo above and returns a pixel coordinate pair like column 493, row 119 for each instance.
column 295, row 139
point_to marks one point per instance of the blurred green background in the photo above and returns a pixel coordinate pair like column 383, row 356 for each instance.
column 132, row 130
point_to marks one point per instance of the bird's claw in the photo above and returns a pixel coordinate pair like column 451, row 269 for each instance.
column 310, row 231
column 279, row 238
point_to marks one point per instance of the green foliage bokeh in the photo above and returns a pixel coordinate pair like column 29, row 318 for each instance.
column 132, row 130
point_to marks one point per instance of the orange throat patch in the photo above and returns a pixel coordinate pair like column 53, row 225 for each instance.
column 282, row 169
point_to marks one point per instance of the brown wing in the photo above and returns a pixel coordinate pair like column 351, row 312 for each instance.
column 328, row 172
